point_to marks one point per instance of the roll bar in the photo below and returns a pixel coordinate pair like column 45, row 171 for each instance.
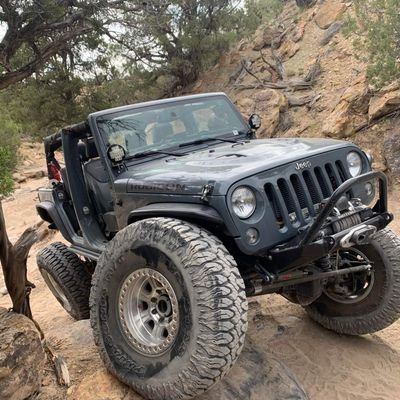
column 54, row 142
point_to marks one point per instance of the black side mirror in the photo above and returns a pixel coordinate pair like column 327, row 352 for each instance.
column 255, row 121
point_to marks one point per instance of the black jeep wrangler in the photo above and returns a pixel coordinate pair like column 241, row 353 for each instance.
column 175, row 214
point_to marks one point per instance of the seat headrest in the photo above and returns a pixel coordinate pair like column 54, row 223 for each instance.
column 165, row 117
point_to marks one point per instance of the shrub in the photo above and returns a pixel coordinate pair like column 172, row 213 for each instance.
column 379, row 25
column 9, row 140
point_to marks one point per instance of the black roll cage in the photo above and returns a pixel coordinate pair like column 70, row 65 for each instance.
column 54, row 142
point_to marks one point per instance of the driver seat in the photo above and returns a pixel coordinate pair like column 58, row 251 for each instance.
column 163, row 130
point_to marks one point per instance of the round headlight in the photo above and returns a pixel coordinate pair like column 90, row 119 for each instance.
column 354, row 163
column 243, row 202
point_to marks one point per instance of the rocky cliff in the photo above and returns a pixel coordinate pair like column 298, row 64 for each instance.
column 301, row 74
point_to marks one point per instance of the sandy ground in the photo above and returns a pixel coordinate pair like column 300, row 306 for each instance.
column 329, row 366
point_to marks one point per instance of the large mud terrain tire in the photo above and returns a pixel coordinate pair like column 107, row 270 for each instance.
column 67, row 277
column 168, row 309
column 378, row 303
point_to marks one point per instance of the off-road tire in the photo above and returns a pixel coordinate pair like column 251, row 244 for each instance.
column 71, row 275
column 382, row 305
column 212, row 308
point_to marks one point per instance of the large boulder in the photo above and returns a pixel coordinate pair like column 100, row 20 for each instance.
column 346, row 115
column 270, row 104
column 34, row 173
column 298, row 32
column 383, row 103
column 19, row 178
column 267, row 36
column 22, row 357
column 288, row 49
column 329, row 12
column 255, row 376
column 331, row 32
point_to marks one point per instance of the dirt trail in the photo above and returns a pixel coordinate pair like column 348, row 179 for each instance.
column 329, row 366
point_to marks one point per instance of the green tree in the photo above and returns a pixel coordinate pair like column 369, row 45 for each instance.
column 112, row 53
column 379, row 26
column 179, row 38
column 10, row 132
column 9, row 140
column 44, row 103
column 38, row 30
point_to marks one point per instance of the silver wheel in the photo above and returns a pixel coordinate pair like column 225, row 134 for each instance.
column 148, row 311
column 56, row 290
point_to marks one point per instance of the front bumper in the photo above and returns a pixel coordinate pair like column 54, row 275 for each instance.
column 313, row 243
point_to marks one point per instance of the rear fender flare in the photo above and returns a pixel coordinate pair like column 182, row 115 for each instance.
column 48, row 212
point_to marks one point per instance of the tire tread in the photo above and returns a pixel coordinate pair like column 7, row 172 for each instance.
column 221, row 300
column 71, row 274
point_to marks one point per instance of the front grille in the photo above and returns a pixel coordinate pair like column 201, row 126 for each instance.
column 294, row 200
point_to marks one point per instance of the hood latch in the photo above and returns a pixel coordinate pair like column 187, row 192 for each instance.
column 207, row 191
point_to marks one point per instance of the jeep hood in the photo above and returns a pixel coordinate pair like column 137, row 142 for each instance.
column 221, row 165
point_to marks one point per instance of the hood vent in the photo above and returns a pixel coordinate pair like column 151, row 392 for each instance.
column 232, row 155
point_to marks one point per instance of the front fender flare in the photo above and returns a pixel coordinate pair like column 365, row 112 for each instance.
column 185, row 211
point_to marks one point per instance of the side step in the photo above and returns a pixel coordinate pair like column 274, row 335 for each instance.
column 88, row 253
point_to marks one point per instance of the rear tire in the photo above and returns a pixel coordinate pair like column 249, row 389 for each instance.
column 168, row 309
column 67, row 277
column 378, row 305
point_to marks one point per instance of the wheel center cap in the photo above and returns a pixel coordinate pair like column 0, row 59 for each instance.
column 164, row 307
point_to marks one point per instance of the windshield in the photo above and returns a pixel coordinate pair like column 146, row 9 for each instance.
column 169, row 125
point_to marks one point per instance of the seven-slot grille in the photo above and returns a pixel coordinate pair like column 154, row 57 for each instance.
column 295, row 199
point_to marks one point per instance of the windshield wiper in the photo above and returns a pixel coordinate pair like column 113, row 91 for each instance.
column 204, row 140
column 152, row 152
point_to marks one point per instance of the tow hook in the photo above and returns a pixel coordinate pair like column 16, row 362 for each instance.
column 358, row 236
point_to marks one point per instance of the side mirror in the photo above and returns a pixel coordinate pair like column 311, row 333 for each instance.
column 255, row 121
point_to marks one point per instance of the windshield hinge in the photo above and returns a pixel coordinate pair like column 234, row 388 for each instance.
column 207, row 190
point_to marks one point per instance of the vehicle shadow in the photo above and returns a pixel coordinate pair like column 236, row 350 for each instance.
column 328, row 365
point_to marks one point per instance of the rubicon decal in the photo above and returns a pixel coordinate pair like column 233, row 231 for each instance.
column 156, row 187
